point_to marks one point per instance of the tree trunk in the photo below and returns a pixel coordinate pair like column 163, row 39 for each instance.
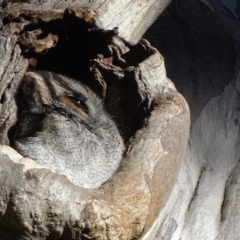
column 84, row 40
column 200, row 43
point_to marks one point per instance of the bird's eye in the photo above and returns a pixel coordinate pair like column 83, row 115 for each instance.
column 78, row 102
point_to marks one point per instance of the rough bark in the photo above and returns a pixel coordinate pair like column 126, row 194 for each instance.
column 37, row 203
column 132, row 17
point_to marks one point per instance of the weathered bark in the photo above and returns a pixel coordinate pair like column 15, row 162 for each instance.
column 132, row 17
column 200, row 43
column 12, row 68
column 37, row 203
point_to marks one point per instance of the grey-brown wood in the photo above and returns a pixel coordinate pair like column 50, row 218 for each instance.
column 132, row 17
column 12, row 68
column 36, row 203
column 200, row 44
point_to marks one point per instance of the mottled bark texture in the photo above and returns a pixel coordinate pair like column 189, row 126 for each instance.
column 81, row 39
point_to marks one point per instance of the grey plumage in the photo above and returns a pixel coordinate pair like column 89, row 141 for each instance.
column 63, row 126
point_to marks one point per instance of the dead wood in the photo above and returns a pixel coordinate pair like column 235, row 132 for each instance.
column 153, row 117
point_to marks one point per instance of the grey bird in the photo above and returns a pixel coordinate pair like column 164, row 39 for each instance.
column 63, row 125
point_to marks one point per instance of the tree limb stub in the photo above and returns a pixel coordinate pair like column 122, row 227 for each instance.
column 132, row 17
column 38, row 203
